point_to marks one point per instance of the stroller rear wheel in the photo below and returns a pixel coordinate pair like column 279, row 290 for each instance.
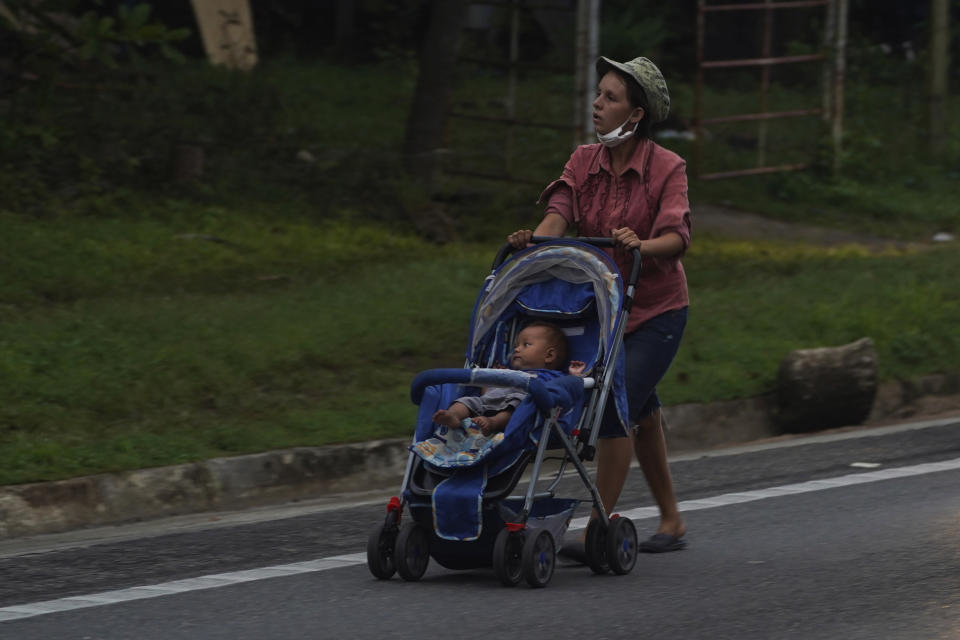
column 380, row 544
column 412, row 551
column 539, row 558
column 595, row 547
column 508, row 557
column 621, row 545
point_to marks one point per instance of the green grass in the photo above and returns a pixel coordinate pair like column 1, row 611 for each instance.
column 284, row 302
column 141, row 364
column 186, row 248
column 751, row 304
column 135, row 378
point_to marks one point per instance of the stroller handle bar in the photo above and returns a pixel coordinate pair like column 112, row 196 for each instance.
column 605, row 243
column 483, row 378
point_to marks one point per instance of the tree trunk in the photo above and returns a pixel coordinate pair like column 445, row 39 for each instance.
column 425, row 123
column 346, row 28
column 827, row 387
column 188, row 163
column 939, row 74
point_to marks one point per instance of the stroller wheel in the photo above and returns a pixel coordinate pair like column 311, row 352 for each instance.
column 380, row 559
column 412, row 551
column 508, row 557
column 621, row 545
column 539, row 558
column 595, row 547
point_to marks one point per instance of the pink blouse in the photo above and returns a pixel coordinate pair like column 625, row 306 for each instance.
column 650, row 197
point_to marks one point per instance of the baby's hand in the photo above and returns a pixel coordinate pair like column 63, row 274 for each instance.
column 577, row 367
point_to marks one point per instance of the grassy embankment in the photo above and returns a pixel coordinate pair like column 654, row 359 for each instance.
column 154, row 326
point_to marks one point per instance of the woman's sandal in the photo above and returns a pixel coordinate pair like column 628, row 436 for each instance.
column 661, row 543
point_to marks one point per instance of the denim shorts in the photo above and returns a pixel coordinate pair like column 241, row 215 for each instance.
column 649, row 350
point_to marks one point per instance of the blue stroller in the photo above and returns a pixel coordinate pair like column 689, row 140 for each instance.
column 457, row 484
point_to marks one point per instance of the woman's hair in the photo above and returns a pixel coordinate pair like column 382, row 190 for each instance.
column 637, row 98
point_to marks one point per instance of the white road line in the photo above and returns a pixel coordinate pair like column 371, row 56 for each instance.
column 18, row 612
column 789, row 489
column 178, row 586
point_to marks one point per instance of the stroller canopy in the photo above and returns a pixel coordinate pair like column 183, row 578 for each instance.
column 560, row 279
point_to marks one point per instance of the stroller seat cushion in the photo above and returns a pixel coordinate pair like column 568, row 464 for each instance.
column 457, row 447
column 448, row 448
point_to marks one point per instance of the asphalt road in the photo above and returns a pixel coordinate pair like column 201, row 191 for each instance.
column 843, row 549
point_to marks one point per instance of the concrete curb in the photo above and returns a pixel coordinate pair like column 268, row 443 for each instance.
column 308, row 472
column 220, row 483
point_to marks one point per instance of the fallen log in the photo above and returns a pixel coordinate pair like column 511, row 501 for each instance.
column 826, row 387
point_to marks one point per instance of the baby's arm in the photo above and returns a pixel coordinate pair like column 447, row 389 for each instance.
column 493, row 424
column 577, row 367
column 452, row 416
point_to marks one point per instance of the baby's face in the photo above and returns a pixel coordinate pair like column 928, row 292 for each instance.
column 533, row 349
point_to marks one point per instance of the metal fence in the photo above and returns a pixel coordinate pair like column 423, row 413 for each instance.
column 765, row 61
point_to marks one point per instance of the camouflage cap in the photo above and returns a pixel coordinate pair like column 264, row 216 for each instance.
column 648, row 77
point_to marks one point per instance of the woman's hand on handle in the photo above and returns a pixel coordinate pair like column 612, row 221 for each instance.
column 552, row 225
column 625, row 238
column 520, row 239
column 665, row 246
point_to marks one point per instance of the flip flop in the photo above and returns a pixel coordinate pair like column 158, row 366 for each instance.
column 661, row 543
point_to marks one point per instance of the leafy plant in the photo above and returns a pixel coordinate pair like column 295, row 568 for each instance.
column 45, row 30
column 132, row 29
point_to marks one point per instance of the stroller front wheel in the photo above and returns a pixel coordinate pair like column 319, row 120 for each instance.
column 380, row 546
column 412, row 552
column 539, row 558
column 508, row 557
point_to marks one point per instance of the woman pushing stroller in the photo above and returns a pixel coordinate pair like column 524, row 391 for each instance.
column 630, row 189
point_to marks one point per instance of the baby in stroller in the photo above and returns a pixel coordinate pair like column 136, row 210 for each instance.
column 540, row 345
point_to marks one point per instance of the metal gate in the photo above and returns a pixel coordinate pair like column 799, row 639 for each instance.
column 765, row 62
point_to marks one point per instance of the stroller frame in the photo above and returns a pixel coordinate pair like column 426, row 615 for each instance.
column 525, row 545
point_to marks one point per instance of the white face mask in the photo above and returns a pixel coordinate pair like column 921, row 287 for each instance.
column 617, row 136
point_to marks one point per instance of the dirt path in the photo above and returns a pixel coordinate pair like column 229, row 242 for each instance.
column 730, row 222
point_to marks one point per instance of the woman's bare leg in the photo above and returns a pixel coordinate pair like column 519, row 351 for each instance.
column 613, row 464
column 651, row 448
